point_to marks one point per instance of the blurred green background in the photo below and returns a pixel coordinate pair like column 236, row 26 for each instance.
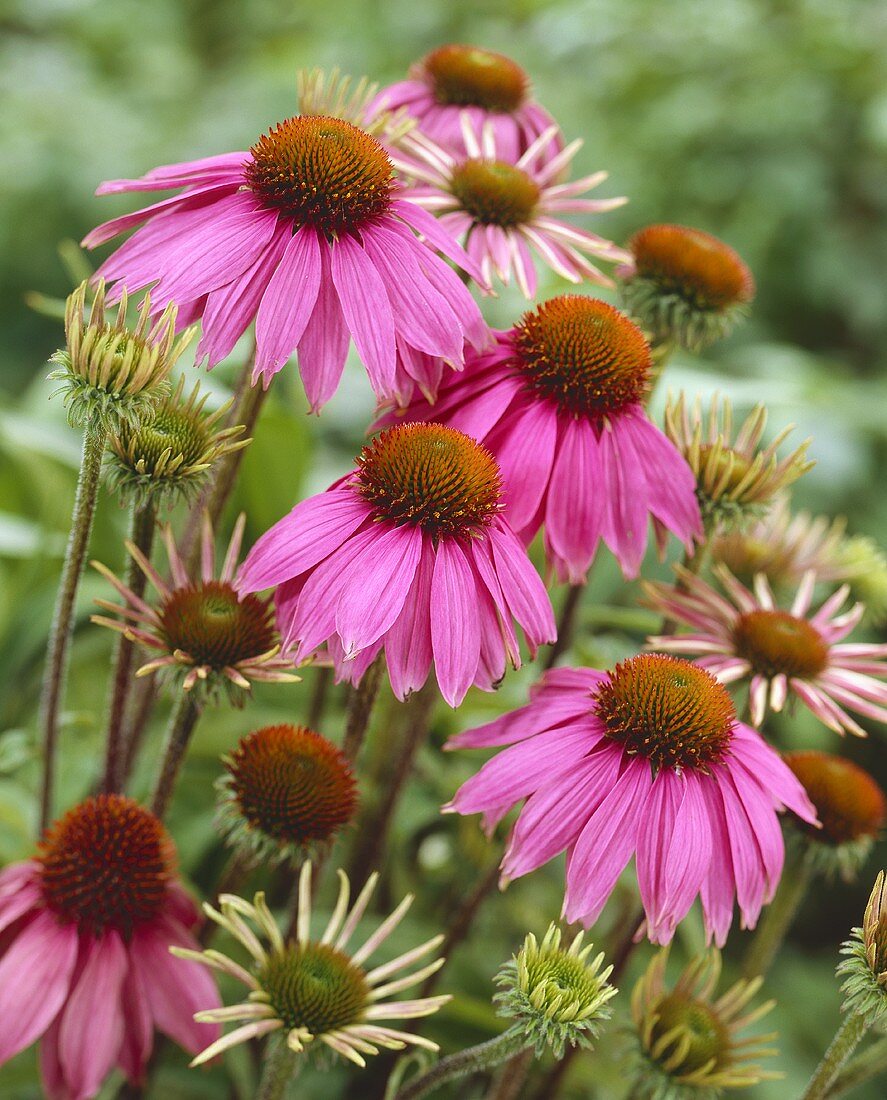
column 763, row 122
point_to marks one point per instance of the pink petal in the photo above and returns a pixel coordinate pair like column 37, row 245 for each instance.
column 287, row 304
column 324, row 344
column 202, row 196
column 522, row 586
column 622, row 481
column 438, row 238
column 455, row 627
column 577, row 498
column 524, row 448
column 138, row 1033
column 408, row 642
column 367, row 311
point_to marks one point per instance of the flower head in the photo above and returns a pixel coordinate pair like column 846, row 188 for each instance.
column 648, row 760
column 286, row 789
column 559, row 402
column 113, row 375
column 408, row 554
column 865, row 987
column 169, row 458
column 310, row 235
column 688, row 1039
column 207, row 633
column 684, row 286
column 745, row 635
column 851, row 808
column 736, row 479
column 87, row 924
column 313, row 988
column 555, row 994
column 501, row 209
column 456, row 81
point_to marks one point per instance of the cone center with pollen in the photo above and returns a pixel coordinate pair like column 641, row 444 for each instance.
column 849, row 803
column 465, row 76
column 693, row 265
column 322, row 172
column 667, row 710
column 584, row 355
column 106, row 865
column 494, row 192
column 292, row 784
column 707, row 1037
column 776, row 643
column 314, row 986
column 432, row 477
column 213, row 626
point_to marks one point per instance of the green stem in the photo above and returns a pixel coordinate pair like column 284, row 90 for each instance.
column 777, row 919
column 870, row 1063
column 94, row 440
column 566, row 624
column 693, row 563
column 473, row 1060
column 842, row 1046
column 141, row 534
column 360, row 708
column 323, row 682
column 142, row 703
column 281, row 1066
column 181, row 726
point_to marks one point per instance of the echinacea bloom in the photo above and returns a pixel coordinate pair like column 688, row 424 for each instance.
column 743, row 635
column 648, row 760
column 407, row 554
column 314, row 988
column 684, row 286
column 505, row 210
column 486, row 87
column 309, row 234
column 559, row 402
column 851, row 808
column 286, row 789
column 207, row 633
column 736, row 478
column 84, row 963
column 688, row 1035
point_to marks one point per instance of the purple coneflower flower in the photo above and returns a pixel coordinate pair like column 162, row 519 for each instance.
column 501, row 209
column 310, row 235
column 744, row 635
column 646, row 760
column 559, row 402
column 408, row 554
column 87, row 926
column 455, row 81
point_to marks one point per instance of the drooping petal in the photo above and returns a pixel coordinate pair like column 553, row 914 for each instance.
column 408, row 651
column 287, row 304
column 577, row 499
column 455, row 626
column 323, row 348
column 367, row 311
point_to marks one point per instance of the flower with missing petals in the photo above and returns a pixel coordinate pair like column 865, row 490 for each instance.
column 486, row 87
column 744, row 635
column 560, row 402
column 555, row 994
column 505, row 210
column 684, row 286
column 647, row 760
column 208, row 634
column 688, row 1043
column 865, row 968
column 408, row 554
column 851, row 808
column 310, row 235
column 286, row 789
column 84, row 959
column 736, row 479
column 169, row 458
column 113, row 375
column 311, row 989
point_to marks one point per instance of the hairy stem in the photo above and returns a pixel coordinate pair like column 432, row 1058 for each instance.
column 777, row 919
column 472, row 1060
column 511, row 1078
column 360, row 709
column 141, row 534
column 281, row 1066
column 323, row 682
column 841, row 1047
column 181, row 726
column 566, row 624
column 94, row 440
column 870, row 1063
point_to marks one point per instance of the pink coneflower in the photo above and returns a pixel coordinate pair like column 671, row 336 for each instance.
column 559, row 402
column 745, row 636
column 87, row 925
column 646, row 760
column 309, row 235
column 408, row 554
column 501, row 209
column 455, row 81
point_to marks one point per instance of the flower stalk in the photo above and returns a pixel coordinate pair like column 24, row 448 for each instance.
column 475, row 1059
column 360, row 709
column 280, row 1067
column 778, row 918
column 181, row 726
column 94, row 439
column 846, row 1040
